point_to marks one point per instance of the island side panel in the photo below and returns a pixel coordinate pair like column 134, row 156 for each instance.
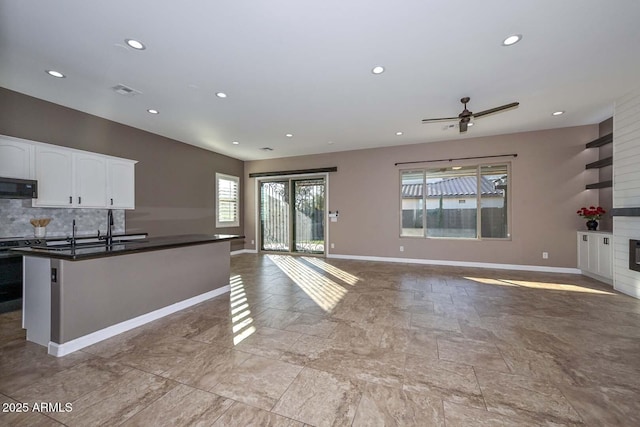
column 36, row 301
column 98, row 293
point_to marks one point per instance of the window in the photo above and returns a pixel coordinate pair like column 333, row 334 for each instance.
column 227, row 200
column 462, row 202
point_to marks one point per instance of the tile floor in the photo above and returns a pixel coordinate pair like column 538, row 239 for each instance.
column 307, row 341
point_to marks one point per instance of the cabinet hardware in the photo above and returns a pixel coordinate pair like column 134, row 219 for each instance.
column 584, row 238
column 70, row 199
column 606, row 240
column 79, row 200
column 111, row 202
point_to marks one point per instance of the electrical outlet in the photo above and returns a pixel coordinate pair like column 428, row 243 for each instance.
column 333, row 246
column 253, row 242
column 401, row 248
column 545, row 255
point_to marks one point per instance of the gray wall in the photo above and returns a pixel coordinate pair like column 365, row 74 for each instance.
column 548, row 181
column 175, row 182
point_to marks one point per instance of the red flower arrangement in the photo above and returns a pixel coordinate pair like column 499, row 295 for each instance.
column 591, row 213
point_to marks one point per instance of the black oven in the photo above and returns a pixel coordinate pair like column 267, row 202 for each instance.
column 11, row 273
column 10, row 282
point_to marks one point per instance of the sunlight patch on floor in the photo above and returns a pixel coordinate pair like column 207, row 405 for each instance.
column 322, row 290
column 538, row 285
column 241, row 319
column 348, row 278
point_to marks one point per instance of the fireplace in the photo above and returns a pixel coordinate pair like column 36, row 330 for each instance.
column 634, row 254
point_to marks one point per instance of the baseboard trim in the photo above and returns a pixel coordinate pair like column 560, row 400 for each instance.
column 520, row 267
column 597, row 277
column 244, row 251
column 59, row 350
column 627, row 290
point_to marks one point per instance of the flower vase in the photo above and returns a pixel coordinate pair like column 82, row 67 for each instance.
column 592, row 225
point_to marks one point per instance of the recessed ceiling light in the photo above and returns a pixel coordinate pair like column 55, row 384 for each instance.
column 378, row 70
column 398, row 133
column 135, row 44
column 152, row 111
column 221, row 94
column 235, row 143
column 330, row 142
column 512, row 39
column 289, row 135
column 470, row 124
column 55, row 73
column 456, row 168
column 557, row 113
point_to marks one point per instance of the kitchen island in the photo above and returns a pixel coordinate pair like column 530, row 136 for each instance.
column 77, row 296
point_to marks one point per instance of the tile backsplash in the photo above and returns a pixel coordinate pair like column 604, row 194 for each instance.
column 15, row 215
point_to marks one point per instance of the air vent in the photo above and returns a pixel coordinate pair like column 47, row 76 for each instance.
column 125, row 90
column 267, row 149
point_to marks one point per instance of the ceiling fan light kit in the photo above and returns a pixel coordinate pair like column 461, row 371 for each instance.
column 465, row 116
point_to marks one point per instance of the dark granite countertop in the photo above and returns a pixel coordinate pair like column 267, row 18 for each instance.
column 101, row 250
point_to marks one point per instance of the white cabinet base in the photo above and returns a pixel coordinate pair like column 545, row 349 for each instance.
column 595, row 252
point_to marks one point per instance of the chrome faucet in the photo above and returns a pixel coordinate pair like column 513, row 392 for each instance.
column 72, row 240
column 109, row 238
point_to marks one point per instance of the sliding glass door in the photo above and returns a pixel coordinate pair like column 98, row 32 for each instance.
column 275, row 211
column 292, row 213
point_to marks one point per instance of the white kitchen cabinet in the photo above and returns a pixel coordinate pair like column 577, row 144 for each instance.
column 121, row 187
column 54, row 173
column 79, row 179
column 595, row 254
column 90, row 179
column 16, row 158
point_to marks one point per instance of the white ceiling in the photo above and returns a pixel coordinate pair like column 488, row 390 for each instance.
column 304, row 67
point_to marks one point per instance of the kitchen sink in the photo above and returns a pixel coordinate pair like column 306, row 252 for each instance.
column 68, row 246
column 87, row 245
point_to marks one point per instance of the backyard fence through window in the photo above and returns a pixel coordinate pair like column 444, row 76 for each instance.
column 455, row 202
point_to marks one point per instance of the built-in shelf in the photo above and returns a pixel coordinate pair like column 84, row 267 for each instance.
column 603, row 184
column 601, row 163
column 625, row 211
column 603, row 140
column 607, row 161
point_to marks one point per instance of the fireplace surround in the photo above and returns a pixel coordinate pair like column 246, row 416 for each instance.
column 634, row 255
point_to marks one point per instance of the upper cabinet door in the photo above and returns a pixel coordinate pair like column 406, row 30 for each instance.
column 122, row 188
column 15, row 159
column 90, row 180
column 54, row 172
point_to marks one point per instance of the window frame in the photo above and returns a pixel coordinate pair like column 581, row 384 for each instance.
column 478, row 167
column 236, row 180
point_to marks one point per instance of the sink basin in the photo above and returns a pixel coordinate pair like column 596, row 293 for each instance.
column 80, row 245
column 88, row 242
column 68, row 246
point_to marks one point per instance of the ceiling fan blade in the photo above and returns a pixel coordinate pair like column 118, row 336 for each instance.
column 463, row 126
column 441, row 119
column 496, row 110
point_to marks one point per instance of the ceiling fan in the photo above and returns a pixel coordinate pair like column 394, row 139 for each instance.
column 466, row 115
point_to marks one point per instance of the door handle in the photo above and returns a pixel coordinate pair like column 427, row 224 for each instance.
column 79, row 200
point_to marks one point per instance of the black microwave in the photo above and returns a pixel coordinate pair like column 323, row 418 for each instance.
column 11, row 188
